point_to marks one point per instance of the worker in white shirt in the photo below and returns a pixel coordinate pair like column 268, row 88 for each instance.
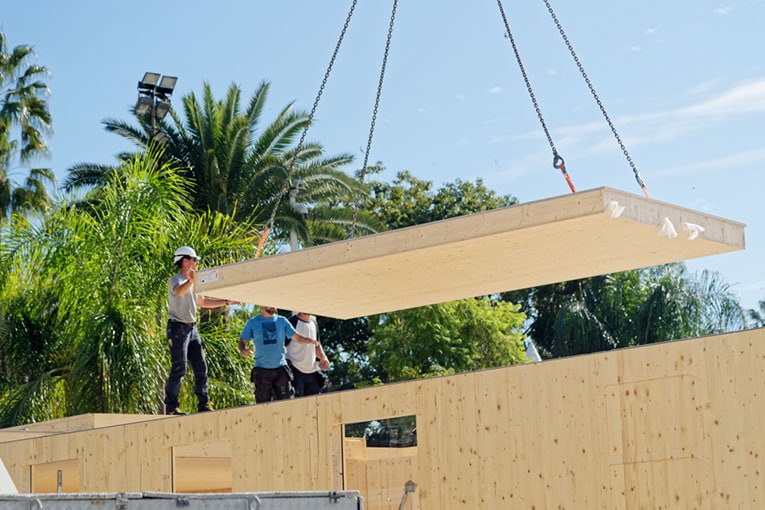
column 306, row 360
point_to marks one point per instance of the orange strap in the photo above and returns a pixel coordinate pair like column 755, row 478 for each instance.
column 559, row 163
column 262, row 241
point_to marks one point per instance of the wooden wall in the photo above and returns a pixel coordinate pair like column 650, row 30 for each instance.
column 673, row 425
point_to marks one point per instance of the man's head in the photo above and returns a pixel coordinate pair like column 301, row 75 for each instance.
column 185, row 253
column 268, row 311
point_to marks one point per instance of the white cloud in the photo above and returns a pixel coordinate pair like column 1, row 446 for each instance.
column 663, row 126
column 742, row 99
column 461, row 97
column 703, row 88
column 745, row 98
column 552, row 72
column 495, row 89
column 668, row 125
column 636, row 49
column 745, row 159
column 722, row 11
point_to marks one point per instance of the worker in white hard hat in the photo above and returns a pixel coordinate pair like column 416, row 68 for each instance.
column 183, row 338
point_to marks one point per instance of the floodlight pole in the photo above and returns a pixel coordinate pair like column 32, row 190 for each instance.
column 154, row 92
column 153, row 117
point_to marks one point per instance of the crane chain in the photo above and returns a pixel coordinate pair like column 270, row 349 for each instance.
column 638, row 178
column 527, row 81
column 357, row 202
column 309, row 121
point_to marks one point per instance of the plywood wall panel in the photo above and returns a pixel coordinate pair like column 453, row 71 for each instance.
column 431, row 433
column 662, row 426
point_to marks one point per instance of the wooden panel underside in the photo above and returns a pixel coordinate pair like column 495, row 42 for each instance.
column 527, row 245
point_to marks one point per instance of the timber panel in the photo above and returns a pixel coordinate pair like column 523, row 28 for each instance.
column 671, row 425
column 526, row 245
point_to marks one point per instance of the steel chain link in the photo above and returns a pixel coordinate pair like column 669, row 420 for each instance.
column 357, row 203
column 526, row 78
column 299, row 147
column 595, row 95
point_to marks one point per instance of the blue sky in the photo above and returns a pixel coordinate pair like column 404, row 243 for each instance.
column 683, row 81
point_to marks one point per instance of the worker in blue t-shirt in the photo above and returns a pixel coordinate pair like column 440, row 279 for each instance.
column 269, row 333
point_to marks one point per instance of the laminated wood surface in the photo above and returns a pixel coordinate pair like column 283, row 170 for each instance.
column 526, row 245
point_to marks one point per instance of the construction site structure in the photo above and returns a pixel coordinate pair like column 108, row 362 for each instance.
column 669, row 425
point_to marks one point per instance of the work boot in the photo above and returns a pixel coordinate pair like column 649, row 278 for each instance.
column 207, row 407
column 176, row 412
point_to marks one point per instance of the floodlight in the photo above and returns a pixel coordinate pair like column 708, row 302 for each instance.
column 161, row 109
column 149, row 81
column 154, row 92
column 142, row 106
column 160, row 137
column 167, row 84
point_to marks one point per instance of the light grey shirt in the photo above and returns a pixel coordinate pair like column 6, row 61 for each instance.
column 181, row 308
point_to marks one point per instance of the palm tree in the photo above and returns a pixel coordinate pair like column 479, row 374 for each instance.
column 630, row 308
column 758, row 316
column 22, row 106
column 82, row 300
column 240, row 169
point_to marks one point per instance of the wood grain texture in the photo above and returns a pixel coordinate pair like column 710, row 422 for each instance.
column 671, row 425
column 526, row 245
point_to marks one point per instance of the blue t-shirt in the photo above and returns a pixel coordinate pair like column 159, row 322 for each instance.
column 268, row 334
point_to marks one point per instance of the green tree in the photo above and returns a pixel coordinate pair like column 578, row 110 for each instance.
column 405, row 202
column 346, row 342
column 630, row 308
column 458, row 336
column 24, row 120
column 758, row 316
column 82, row 300
column 411, row 201
column 240, row 167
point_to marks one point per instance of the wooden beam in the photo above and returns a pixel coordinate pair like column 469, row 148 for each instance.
column 526, row 245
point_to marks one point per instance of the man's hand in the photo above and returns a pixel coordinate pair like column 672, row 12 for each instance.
column 324, row 364
column 243, row 349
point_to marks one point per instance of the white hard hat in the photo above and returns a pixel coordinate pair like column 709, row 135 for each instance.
column 185, row 251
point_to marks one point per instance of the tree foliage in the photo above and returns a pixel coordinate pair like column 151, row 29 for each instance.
column 24, row 121
column 82, row 299
column 240, row 165
column 411, row 201
column 757, row 316
column 438, row 339
column 635, row 307
column 458, row 336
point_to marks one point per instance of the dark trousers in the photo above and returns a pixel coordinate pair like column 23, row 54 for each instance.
column 186, row 347
column 306, row 384
column 272, row 383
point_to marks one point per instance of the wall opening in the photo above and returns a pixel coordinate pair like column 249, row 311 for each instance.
column 53, row 477
column 380, row 461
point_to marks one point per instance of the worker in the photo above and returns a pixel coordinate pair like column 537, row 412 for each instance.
column 183, row 338
column 269, row 332
column 306, row 361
